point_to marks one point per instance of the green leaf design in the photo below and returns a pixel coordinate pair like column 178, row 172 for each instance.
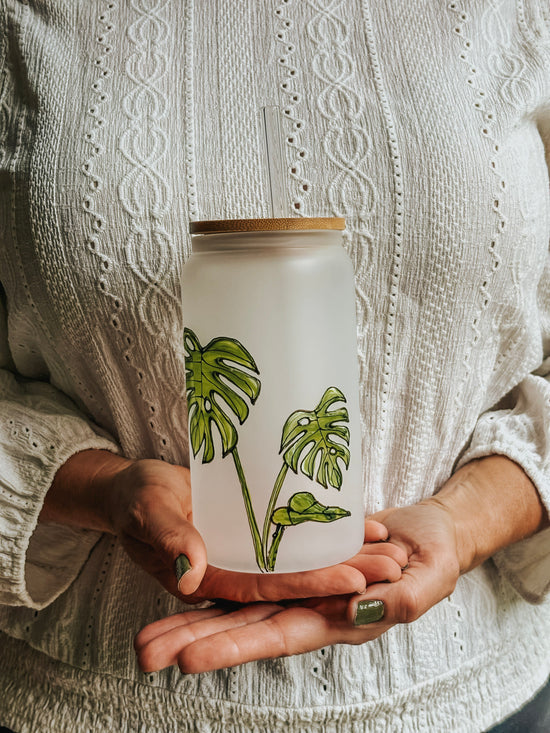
column 308, row 440
column 304, row 507
column 216, row 381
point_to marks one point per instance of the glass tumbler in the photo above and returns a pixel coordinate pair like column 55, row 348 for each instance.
column 272, row 394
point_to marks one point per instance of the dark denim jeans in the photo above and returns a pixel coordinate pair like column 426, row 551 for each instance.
column 532, row 718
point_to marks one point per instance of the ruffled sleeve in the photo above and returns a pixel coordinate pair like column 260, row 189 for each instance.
column 40, row 429
column 521, row 432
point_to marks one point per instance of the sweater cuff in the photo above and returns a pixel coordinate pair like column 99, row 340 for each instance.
column 39, row 560
column 525, row 564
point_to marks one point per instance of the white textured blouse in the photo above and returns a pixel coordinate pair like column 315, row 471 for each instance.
column 424, row 125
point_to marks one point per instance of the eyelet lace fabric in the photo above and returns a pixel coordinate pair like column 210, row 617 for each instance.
column 121, row 121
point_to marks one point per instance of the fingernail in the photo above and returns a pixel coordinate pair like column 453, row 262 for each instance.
column 368, row 612
column 182, row 566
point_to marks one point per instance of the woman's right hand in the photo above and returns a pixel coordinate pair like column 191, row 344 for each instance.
column 147, row 504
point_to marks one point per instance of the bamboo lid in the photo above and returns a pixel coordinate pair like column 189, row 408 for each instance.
column 220, row 226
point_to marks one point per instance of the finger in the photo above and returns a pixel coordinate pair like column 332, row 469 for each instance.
column 376, row 568
column 258, row 631
column 420, row 587
column 163, row 651
column 285, row 632
column 384, row 605
column 164, row 625
column 375, row 531
column 177, row 575
column 249, row 587
column 182, row 550
column 293, row 630
column 390, row 549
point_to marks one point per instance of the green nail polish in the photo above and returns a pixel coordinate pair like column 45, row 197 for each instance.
column 182, row 566
column 368, row 612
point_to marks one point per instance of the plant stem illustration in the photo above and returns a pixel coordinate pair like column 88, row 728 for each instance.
column 314, row 442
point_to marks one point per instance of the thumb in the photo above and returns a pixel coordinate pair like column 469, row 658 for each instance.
column 183, row 552
column 420, row 587
column 170, row 549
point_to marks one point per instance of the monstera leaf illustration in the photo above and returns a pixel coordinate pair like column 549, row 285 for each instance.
column 216, row 380
column 304, row 507
column 308, row 440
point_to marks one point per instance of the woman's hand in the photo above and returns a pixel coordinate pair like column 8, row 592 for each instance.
column 378, row 561
column 147, row 504
column 485, row 506
column 212, row 639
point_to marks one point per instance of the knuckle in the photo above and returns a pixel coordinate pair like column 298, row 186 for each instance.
column 136, row 520
column 409, row 607
column 278, row 637
column 166, row 538
column 263, row 592
column 255, row 590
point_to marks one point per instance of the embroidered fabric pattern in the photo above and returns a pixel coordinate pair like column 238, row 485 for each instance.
column 505, row 63
column 192, row 204
column 347, row 144
column 22, row 229
column 240, row 140
column 94, row 139
column 486, row 121
column 291, row 101
column 145, row 192
column 508, row 69
column 398, row 221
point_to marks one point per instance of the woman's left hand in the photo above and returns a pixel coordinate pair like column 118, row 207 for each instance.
column 485, row 506
column 214, row 638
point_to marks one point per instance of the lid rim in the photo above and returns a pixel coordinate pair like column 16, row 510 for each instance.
column 219, row 226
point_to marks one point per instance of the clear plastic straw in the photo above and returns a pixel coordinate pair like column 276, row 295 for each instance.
column 273, row 144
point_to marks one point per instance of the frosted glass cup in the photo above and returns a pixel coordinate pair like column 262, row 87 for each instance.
column 272, row 394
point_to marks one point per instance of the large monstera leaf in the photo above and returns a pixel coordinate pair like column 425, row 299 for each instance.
column 216, row 380
column 308, row 440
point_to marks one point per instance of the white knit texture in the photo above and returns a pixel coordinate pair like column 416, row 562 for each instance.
column 425, row 125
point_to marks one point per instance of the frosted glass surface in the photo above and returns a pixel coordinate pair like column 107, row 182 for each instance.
column 294, row 311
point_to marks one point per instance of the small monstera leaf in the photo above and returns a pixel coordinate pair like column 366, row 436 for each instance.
column 304, row 507
column 308, row 440
column 215, row 383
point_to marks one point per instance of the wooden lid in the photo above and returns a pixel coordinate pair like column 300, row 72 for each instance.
column 266, row 225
